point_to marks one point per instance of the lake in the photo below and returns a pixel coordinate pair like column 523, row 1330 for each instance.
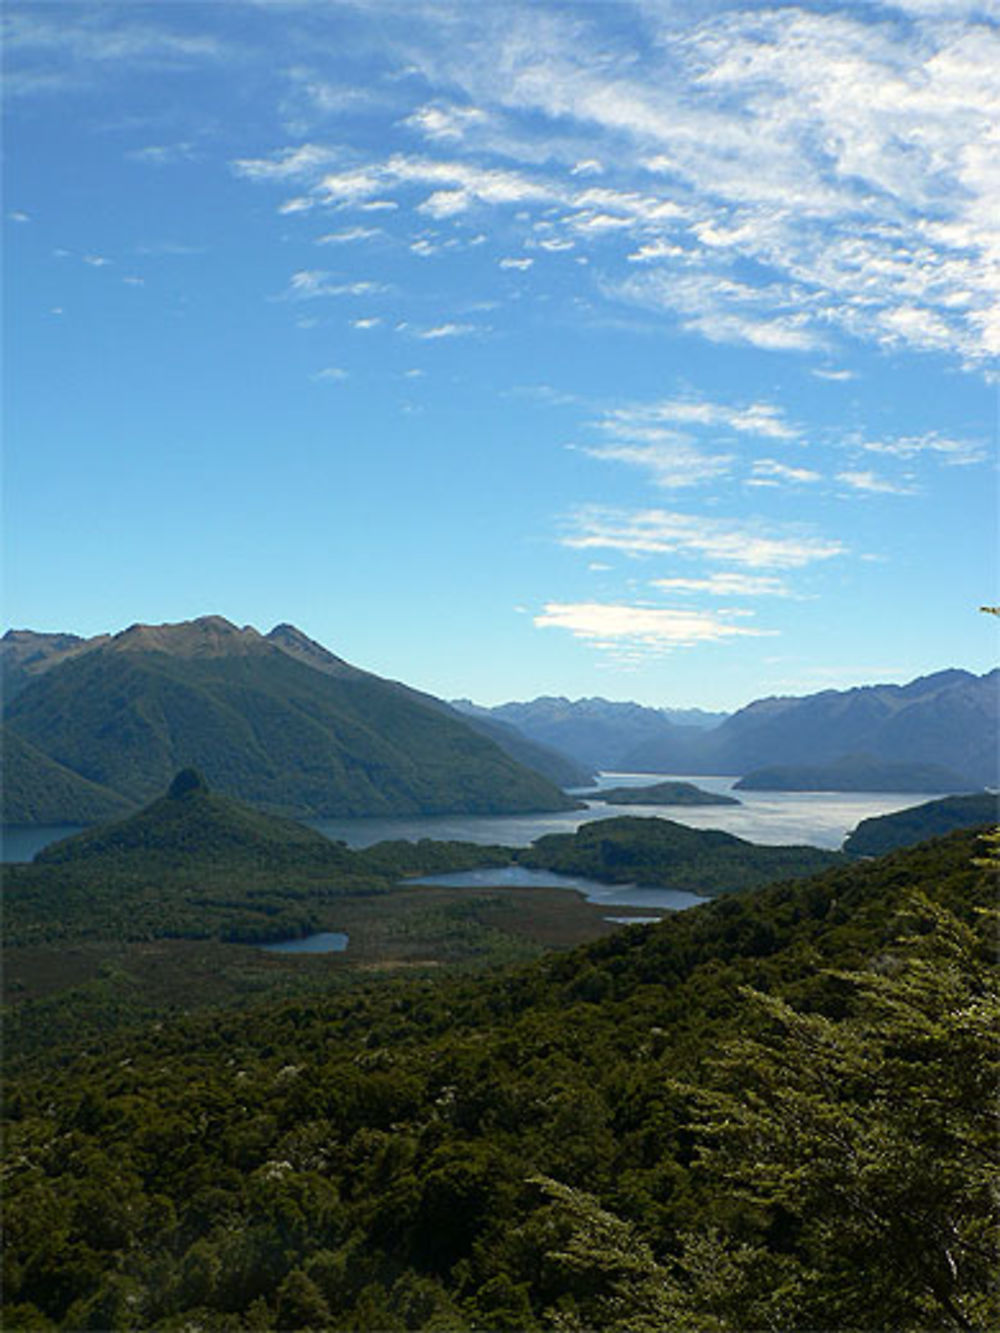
column 821, row 819
column 604, row 895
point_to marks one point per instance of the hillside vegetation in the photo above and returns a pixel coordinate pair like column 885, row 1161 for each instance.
column 884, row 833
column 280, row 723
column 198, row 865
column 38, row 790
column 661, row 853
column 623, row 1137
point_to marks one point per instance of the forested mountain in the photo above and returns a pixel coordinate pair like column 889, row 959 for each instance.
column 273, row 719
column 623, row 1137
column 38, row 790
column 904, row 828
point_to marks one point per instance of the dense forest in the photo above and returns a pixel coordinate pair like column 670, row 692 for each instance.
column 772, row 1111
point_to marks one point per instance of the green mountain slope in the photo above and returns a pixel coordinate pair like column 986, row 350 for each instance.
column 263, row 725
column 37, row 790
column 884, row 833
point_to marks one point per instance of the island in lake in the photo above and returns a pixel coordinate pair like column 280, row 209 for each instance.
column 661, row 793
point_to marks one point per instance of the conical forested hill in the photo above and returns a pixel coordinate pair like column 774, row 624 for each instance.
column 191, row 827
column 265, row 721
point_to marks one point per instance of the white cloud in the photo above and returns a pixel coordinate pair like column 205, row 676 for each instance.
column 448, row 330
column 848, row 155
column 956, row 453
column 521, row 264
column 349, row 235
column 288, row 164
column 835, row 376
column 749, row 543
column 368, row 322
column 645, row 628
column 333, row 374
column 770, row 468
column 727, row 585
column 868, row 483
column 18, row 216
column 445, row 122
column 672, row 462
column 309, row 283
column 762, row 419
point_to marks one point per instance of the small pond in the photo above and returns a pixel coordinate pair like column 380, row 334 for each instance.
column 327, row 941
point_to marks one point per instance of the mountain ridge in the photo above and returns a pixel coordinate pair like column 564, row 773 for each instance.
column 263, row 722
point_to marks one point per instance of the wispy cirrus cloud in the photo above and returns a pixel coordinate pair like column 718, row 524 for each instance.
column 869, row 483
column 309, row 283
column 671, row 461
column 758, row 418
column 450, row 329
column 728, row 584
column 752, row 543
column 849, row 155
column 769, row 471
column 944, row 449
column 641, row 630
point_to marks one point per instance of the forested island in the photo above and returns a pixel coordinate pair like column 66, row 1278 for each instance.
column 660, row 793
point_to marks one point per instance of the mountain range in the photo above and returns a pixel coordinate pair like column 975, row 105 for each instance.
column 95, row 726
column 948, row 719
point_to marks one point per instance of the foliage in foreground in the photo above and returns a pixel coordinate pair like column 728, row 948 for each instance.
column 771, row 1111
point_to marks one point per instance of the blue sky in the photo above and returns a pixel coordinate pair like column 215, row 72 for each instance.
column 645, row 349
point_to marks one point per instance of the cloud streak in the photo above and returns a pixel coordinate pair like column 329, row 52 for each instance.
column 750, row 543
column 641, row 629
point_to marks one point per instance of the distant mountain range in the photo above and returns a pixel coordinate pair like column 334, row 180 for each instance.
column 96, row 726
column 597, row 733
column 949, row 720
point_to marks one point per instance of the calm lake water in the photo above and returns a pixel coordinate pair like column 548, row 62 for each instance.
column 604, row 895
column 326, row 941
column 822, row 819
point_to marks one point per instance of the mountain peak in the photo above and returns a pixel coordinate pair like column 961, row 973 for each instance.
column 292, row 641
column 206, row 636
column 187, row 781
